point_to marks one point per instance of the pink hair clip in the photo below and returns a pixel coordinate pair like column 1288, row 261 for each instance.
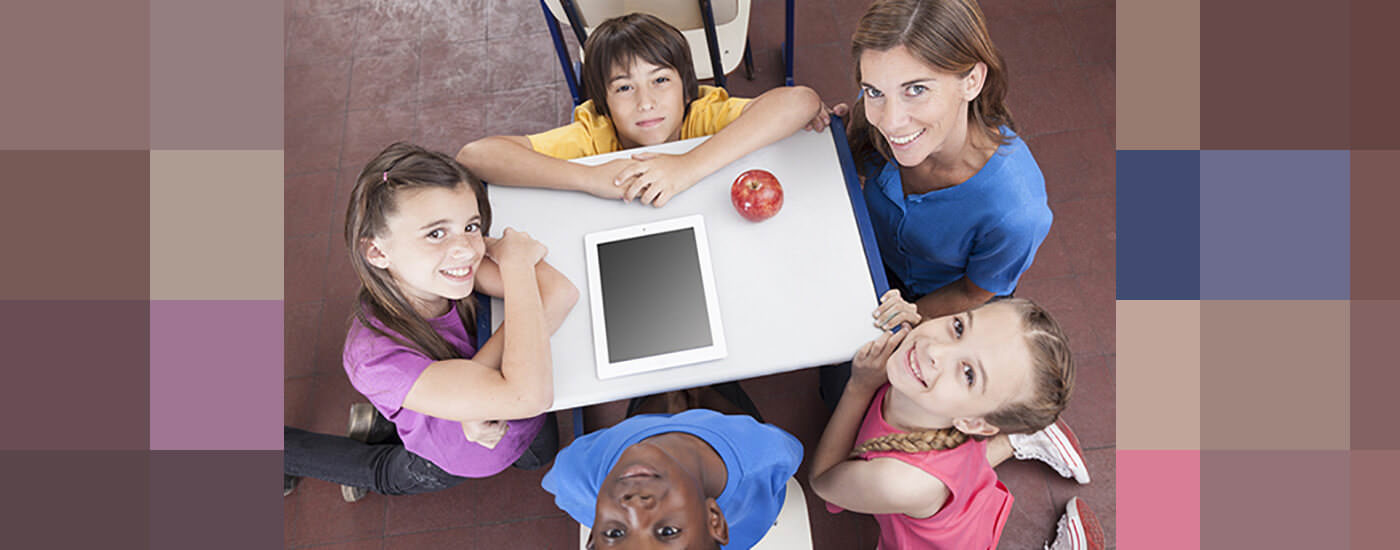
column 386, row 176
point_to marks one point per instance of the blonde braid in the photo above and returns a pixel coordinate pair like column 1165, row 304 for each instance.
column 912, row 442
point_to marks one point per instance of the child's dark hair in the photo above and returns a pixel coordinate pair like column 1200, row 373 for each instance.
column 620, row 41
column 948, row 34
column 1052, row 372
column 400, row 167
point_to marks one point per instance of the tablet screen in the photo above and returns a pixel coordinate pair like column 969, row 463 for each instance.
column 653, row 295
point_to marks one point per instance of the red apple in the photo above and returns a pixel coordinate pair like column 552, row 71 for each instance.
column 756, row 195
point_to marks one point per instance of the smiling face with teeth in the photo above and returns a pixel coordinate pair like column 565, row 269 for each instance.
column 432, row 247
column 954, row 370
column 921, row 110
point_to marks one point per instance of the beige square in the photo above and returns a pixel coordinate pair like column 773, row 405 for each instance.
column 1275, row 375
column 216, row 225
column 1159, row 74
column 1159, row 375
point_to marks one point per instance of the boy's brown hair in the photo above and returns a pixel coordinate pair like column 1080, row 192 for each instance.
column 620, row 41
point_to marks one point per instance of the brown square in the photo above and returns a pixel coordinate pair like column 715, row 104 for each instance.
column 1375, row 373
column 79, row 225
column 215, row 500
column 1374, row 483
column 68, row 499
column 1159, row 352
column 77, row 76
column 1273, row 375
column 216, row 74
column 1373, row 86
column 77, row 376
column 1276, row 499
column 1159, row 75
column 1275, row 75
column 1375, row 268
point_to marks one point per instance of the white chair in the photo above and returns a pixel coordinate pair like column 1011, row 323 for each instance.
column 791, row 531
column 730, row 23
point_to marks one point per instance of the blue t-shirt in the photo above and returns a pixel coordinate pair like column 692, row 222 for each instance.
column 987, row 228
column 759, row 459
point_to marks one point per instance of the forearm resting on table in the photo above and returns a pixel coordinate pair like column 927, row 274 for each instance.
column 511, row 161
column 772, row 116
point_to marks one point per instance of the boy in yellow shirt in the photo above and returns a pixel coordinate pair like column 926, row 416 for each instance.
column 642, row 90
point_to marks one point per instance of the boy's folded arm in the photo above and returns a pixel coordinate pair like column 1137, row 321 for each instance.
column 773, row 115
column 512, row 161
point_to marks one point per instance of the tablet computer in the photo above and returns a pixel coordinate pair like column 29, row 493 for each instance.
column 652, row 297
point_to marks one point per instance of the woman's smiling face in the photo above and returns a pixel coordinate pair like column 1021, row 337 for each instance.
column 919, row 109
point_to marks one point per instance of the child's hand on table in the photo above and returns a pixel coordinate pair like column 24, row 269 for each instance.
column 823, row 118
column 868, row 365
column 515, row 246
column 893, row 311
column 655, row 178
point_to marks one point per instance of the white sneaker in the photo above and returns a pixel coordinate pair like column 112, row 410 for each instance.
column 1055, row 445
column 1078, row 529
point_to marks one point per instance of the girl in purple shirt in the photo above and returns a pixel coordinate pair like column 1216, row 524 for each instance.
column 444, row 408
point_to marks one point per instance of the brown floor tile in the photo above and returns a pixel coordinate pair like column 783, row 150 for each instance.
column 313, row 142
column 1032, row 44
column 464, row 538
column 1076, row 164
column 446, row 127
column 1073, row 4
column 306, row 199
column 520, row 112
column 317, row 88
column 1103, row 80
column 1097, row 290
column 1051, row 259
column 305, row 262
column 320, row 37
column 522, row 61
column 1092, row 223
column 466, row 20
column 384, row 80
column 551, row 532
column 330, row 335
column 369, row 131
column 507, row 18
column 389, row 28
column 995, row 9
column 1092, row 32
column 299, row 341
column 827, row 68
column 322, row 516
column 1055, row 101
column 509, row 495
column 1033, row 515
column 296, row 404
column 302, row 8
column 454, row 71
column 1092, row 408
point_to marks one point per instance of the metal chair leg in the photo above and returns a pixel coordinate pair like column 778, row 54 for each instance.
column 707, row 12
column 748, row 59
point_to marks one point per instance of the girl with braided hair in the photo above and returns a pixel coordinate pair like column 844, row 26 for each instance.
column 921, row 410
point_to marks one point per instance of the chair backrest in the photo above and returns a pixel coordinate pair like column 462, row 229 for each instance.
column 791, row 531
column 731, row 25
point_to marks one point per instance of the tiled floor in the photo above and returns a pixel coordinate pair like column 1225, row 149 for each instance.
column 363, row 73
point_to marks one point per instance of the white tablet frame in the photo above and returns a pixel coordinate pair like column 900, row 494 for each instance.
column 716, row 350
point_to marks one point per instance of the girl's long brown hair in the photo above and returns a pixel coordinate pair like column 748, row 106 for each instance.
column 400, row 167
column 1052, row 368
column 948, row 34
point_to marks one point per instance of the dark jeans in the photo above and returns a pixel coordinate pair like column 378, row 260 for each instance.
column 388, row 468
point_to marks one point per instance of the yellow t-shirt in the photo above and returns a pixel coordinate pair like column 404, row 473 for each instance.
column 592, row 134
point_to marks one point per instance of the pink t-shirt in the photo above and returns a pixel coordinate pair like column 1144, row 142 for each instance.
column 978, row 503
column 384, row 370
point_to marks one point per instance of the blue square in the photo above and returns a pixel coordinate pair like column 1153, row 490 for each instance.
column 1275, row 225
column 1159, row 225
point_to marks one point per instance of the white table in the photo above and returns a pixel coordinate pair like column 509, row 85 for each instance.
column 794, row 291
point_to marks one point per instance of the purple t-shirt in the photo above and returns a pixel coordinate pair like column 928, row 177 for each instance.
column 384, row 370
